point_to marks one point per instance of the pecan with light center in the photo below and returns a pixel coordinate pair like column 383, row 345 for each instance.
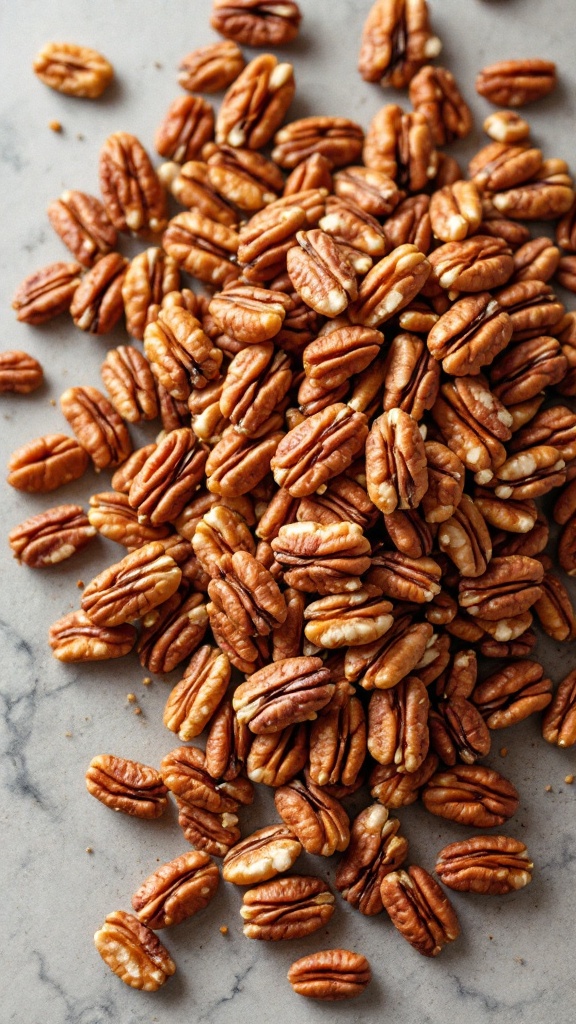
column 176, row 890
column 350, row 225
column 181, row 355
column 510, row 585
column 186, row 126
column 389, row 286
column 97, row 303
column 171, row 632
column 262, row 855
column 317, row 819
column 412, row 376
column 133, row 196
column 97, row 425
column 464, row 537
column 73, row 70
column 283, row 693
column 287, row 908
column 276, row 758
column 320, row 448
column 75, row 638
column 472, row 795
column 530, row 473
column 244, row 177
column 51, row 536
column 546, row 196
column 404, row 578
column 255, row 104
column 495, row 865
column 419, row 909
column 499, row 166
column 513, row 693
column 338, row 740
column 168, row 478
column 473, row 265
column 127, row 786
column 396, row 468
column 455, row 211
column 184, row 773
column 46, row 293
column 221, row 531
column 446, row 476
column 133, row 952
column 150, row 276
column 322, row 272
column 202, row 247
column 212, row 831
column 132, row 587
column 385, row 662
column 210, row 68
column 112, row 515
column 512, row 83
column 473, row 423
column 343, row 620
column 321, row 559
column 400, row 146
column 526, row 368
column 191, row 185
column 470, row 334
column 130, row 383
column 396, row 42
column 83, row 225
column 375, row 849
column 434, row 93
column 195, row 698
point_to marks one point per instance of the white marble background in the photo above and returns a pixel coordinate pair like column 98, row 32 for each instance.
column 514, row 963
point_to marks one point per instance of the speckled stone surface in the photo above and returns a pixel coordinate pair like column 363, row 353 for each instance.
column 514, row 962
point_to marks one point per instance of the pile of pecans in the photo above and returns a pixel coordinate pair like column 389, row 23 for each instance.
column 356, row 419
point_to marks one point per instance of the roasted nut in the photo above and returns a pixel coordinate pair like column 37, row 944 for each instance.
column 202, row 247
column 129, row 381
column 181, row 355
column 221, row 531
column 255, row 23
column 473, row 423
column 506, row 126
column 195, row 698
column 513, row 693
column 343, row 620
column 455, row 211
column 171, row 632
column 386, row 661
column 446, row 476
column 547, row 195
column 375, row 849
column 405, row 578
column 46, row 463
column 282, row 694
column 72, row 69
column 227, row 744
column 513, row 83
column 495, row 865
column 111, row 514
column 177, row 890
column 212, row 831
column 276, row 758
column 97, row 425
column 401, row 146
column 46, row 293
column 83, row 225
column 396, row 473
column 250, row 315
column 287, row 908
column 397, row 725
column 499, row 166
column 133, row 952
column 314, row 172
column 243, row 177
column 396, row 42
column 262, row 855
column 434, row 93
column 470, row 334
column 419, row 910
column 321, row 447
column 131, row 588
column 52, row 536
column 458, row 732
column 338, row 741
column 248, row 595
column 476, row 264
column 399, row 789
column 186, row 126
column 255, row 104
column 322, row 272
column 464, row 537
column 389, row 286
column 134, row 198
column 75, row 638
column 19, row 372
column 410, row 223
column 337, row 138
column 97, row 303
column 322, row 559
column 164, row 485
column 316, row 818
column 149, row 278
column 559, row 722
column 127, row 786
column 330, row 974
column 350, row 225
column 184, row 773
column 526, row 368
column 210, row 68
column 471, row 795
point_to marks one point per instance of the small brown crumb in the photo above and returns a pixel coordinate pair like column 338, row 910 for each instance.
column 569, row 779
column 223, row 929
column 146, row 681
column 89, row 849
column 503, row 751
column 131, row 698
column 80, row 584
column 158, row 64
column 79, row 136
column 55, row 126
column 137, row 711
column 490, row 937
column 519, row 959
column 68, row 735
column 53, row 401
column 548, row 789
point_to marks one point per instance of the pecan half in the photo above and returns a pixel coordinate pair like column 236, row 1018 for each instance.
column 322, row 559
column 212, row 831
column 75, row 638
column 72, row 69
column 287, row 908
column 338, row 740
column 97, row 303
column 248, row 595
column 83, row 225
column 337, row 138
column 513, row 83
column 386, row 661
column 283, row 693
column 221, row 531
column 399, row 789
column 19, row 372
column 396, row 472
column 401, row 146
column 495, row 865
column 319, row 448
column 237, row 464
column 202, row 247
column 396, row 42
column 344, row 620
column 186, row 126
column 177, row 890
column 150, row 276
column 256, row 23
column 171, row 632
column 397, row 724
column 473, row 423
column 210, row 68
column 420, row 910
column 446, row 475
column 509, row 586
column 471, row 795
column 195, row 698
column 169, row 477
column 130, row 383
column 434, row 92
column 181, row 355
column 513, row 693
column 131, row 588
column 330, row 974
column 276, row 758
column 46, row 293
column 375, row 849
column 470, row 334
column 111, row 514
column 127, row 786
column 52, row 536
column 262, row 855
column 559, row 722
column 133, row 195
column 389, row 286
column 412, row 376
column 464, row 537
column 97, row 425
column 255, row 104
column 46, row 463
column 475, row 264
column 184, row 772
column 133, row 952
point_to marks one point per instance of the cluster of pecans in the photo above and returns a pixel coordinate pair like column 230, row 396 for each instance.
column 357, row 418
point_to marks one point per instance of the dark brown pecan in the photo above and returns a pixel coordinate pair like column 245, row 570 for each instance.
column 202, row 247
column 317, row 819
column 566, row 547
column 75, row 638
column 533, row 308
column 169, row 477
column 19, row 372
column 46, row 293
column 344, row 500
column 526, row 368
column 276, row 758
column 130, row 383
column 473, row 423
column 559, row 722
column 399, row 789
column 375, row 849
column 52, row 536
column 510, row 585
column 409, row 534
column 248, row 595
column 419, row 909
column 195, row 698
column 446, row 476
column 322, row 559
column 566, row 273
column 471, row 795
column 83, row 225
column 181, row 355
column 255, row 104
column 385, row 662
column 97, row 425
column 210, row 68
column 389, row 286
column 287, row 908
column 150, row 277
column 321, row 447
column 338, row 740
column 267, row 237
column 512, row 83
column 434, row 92
column 186, row 126
column 212, row 831
column 283, row 693
column 397, row 725
column 470, row 334
column 256, row 23
column 177, row 890
column 133, row 952
column 343, row 620
column 464, row 537
column 127, row 786
column 97, row 302
column 261, row 856
column 458, row 731
column 132, row 587
column 396, row 472
column 493, row 865
column 337, row 138
column 476, row 264
column 330, row 974
column 112, row 515
column 134, row 198
column 410, row 223
column 396, row 42
column 237, row 464
column 171, row 632
column 513, row 693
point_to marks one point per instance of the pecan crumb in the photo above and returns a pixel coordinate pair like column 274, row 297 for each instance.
column 55, row 126
column 137, row 711
column 569, row 779
column 146, row 681
column 131, row 698
column 89, row 849
column 52, row 401
column 80, row 584
column 548, row 789
column 68, row 735
column 223, row 929
column 503, row 751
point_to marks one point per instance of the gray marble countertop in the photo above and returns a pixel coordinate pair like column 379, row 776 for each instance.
column 514, row 962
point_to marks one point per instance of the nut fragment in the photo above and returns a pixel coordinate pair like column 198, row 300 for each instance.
column 133, row 952
column 72, row 69
column 330, row 974
column 495, row 865
column 127, row 786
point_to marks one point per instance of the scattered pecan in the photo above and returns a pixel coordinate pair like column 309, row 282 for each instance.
column 50, row 537
column 97, row 425
column 322, row 559
column 400, row 145
column 255, row 104
column 470, row 334
column 396, row 472
column 210, row 68
column 177, row 890
column 321, row 447
column 256, row 23
column 337, row 138
column 75, row 638
column 433, row 92
column 19, row 372
column 389, row 286
column 419, row 910
column 72, row 69
column 396, row 42
column 513, row 83
column 317, row 819
column 276, row 758
column 262, row 855
column 127, row 786
column 130, row 383
column 330, row 974
column 46, row 293
column 149, row 278
column 181, row 355
column 559, row 722
column 397, row 725
column 287, row 908
column 112, row 515
column 282, row 694
column 83, row 225
column 133, row 952
column 131, row 588
column 186, row 126
column 399, row 789
column 248, row 595
column 202, row 247
column 134, row 198
column 472, row 795
column 168, row 478
column 513, row 693
column 46, row 463
column 495, row 865
column 97, row 303
column 375, row 849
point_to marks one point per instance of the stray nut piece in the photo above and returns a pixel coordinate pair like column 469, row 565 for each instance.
column 330, row 974
column 72, row 69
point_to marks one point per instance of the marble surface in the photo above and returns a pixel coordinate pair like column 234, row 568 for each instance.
column 514, row 963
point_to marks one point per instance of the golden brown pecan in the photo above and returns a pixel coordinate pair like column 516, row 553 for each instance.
column 202, row 247
column 51, row 536
column 396, row 42
column 313, row 172
column 150, row 276
column 536, row 260
column 473, row 423
column 256, row 383
column 386, row 661
column 186, row 126
column 133, row 195
column 132, row 587
column 330, row 975
column 396, row 472
column 410, row 223
column 513, row 83
column 276, row 758
column 210, row 68
column 419, row 909
column 513, row 693
column 248, row 595
column 455, row 211
column 533, row 308
column 177, row 890
column 19, row 372
column 184, row 773
column 473, row 265
column 530, row 473
column 401, row 146
column 130, row 383
column 181, row 355
column 237, row 464
column 472, row 795
column 266, row 239
column 97, row 425
column 337, row 138
column 470, row 334
column 526, row 368
column 221, row 531
column 554, row 609
column 127, row 786
column 565, row 229
column 46, row 463
column 212, row 831
column 399, row 789
column 46, row 293
column 167, row 480
column 227, row 744
column 506, row 126
column 566, row 273
column 389, row 286
column 499, row 166
column 321, row 447
column 397, row 725
column 409, row 534
column 344, row 500
column 364, row 187
column 133, row 952
column 256, row 23
column 111, row 514
column 322, row 559
column 243, row 177
column 342, row 620
column 287, row 908
column 458, row 731
column 434, row 93
column 72, row 69
column 350, row 225
column 249, row 314
column 548, row 195
column 83, row 225
column 464, row 537
column 375, row 849
column 191, row 186
column 493, row 865
column 559, row 721
column 195, row 698
column 446, row 476
column 405, row 578
column 322, row 272
column 338, row 740
column 122, row 478
column 97, row 303
column 509, row 586
column 171, row 632
column 255, row 104
column 75, row 638
column 512, row 516
column 262, row 855
column 283, row 693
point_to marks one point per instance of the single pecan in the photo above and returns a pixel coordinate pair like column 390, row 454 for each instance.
column 458, row 731
column 470, row 334
column 546, row 196
column 446, row 475
column 111, row 514
column 397, row 724
column 227, row 744
column 513, row 83
column 499, row 166
column 248, row 595
column 237, row 464
column 255, row 104
column 130, row 383
column 399, row 789
column 212, row 831
column 72, row 69
column 314, row 172
column 169, row 477
column 287, row 908
column 344, row 500
column 186, row 126
column 471, row 795
column 191, row 185
column 396, row 472
column 46, row 293
column 124, row 475
column 350, row 225
column 473, row 265
column 177, row 890
column 410, row 224
column 283, row 693
column 127, row 786
column 195, row 698
column 530, row 473
column 202, row 247
column 243, row 177
column 434, row 92
column 536, row 260
column 526, row 368
column 150, row 276
column 19, row 372
column 254, row 23
column 533, row 308
column 419, row 909
column 181, row 355
column 465, row 539
column 385, row 662
column 455, row 211
column 46, row 463
column 276, row 758
column 262, row 855
column 400, row 146
column 412, row 376
column 506, row 126
column 131, row 588
column 322, row 272
column 133, row 195
column 409, row 534
column 317, row 819
column 97, row 303
column 75, row 638
column 321, row 447
column 221, row 531
column 513, row 693
column 389, row 286
column 322, row 559
column 330, row 975
column 559, row 721
column 173, row 412
column 565, row 229
column 83, row 225
column 337, row 138
column 97, row 425
column 343, row 620
column 510, row 585
column 396, row 42
column 210, row 68
column 368, row 189
column 495, row 865
column 184, row 773
column 375, row 849
column 473, row 423
column 171, row 632
column 249, row 314
column 52, row 536
column 403, row 578
column 133, row 952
